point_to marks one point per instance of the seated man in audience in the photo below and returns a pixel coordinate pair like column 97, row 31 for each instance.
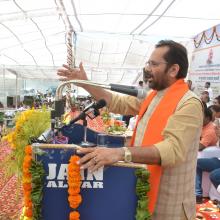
column 216, row 101
column 216, row 118
column 205, row 98
column 215, row 112
column 211, row 165
column 208, row 136
column 189, row 82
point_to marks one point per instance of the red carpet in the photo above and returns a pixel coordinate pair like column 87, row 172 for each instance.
column 11, row 199
column 207, row 211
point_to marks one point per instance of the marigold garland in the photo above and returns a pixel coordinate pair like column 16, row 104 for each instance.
column 26, row 182
column 74, row 183
column 32, row 182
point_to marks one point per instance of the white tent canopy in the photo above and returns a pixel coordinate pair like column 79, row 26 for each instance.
column 112, row 38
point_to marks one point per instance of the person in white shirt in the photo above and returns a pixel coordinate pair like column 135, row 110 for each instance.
column 205, row 98
column 209, row 90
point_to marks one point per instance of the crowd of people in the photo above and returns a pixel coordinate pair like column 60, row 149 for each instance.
column 209, row 138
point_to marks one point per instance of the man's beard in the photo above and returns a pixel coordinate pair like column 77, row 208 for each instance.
column 155, row 85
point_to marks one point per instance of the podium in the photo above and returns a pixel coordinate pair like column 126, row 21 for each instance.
column 107, row 194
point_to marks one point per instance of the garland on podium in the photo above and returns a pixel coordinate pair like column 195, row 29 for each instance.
column 109, row 193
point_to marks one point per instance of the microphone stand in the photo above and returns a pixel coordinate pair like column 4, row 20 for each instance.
column 85, row 143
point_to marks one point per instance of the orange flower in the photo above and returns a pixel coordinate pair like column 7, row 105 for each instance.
column 73, row 168
column 28, row 204
column 74, row 159
column 26, row 166
column 74, row 184
column 73, row 190
column 28, row 212
column 74, row 205
column 108, row 122
column 27, row 194
column 27, row 186
column 28, row 150
column 117, row 123
column 75, row 198
column 27, row 201
column 26, row 175
column 27, row 159
column 26, row 170
column 74, row 176
column 74, row 215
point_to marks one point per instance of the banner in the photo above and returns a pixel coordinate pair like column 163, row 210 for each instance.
column 205, row 63
column 107, row 194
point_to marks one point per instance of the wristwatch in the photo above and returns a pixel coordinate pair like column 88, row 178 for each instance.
column 127, row 155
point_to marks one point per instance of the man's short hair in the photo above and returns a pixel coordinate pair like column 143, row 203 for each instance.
column 218, row 99
column 177, row 54
column 214, row 108
column 208, row 83
column 140, row 83
column 208, row 113
column 205, row 93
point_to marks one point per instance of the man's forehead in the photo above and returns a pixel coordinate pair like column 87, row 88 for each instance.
column 159, row 52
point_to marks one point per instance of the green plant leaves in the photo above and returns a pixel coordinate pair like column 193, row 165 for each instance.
column 142, row 187
column 37, row 180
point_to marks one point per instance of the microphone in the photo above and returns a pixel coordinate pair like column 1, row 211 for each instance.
column 113, row 85
column 91, row 111
column 129, row 90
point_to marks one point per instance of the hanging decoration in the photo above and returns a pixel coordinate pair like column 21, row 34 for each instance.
column 203, row 37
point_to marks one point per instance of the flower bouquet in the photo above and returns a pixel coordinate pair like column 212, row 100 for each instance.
column 115, row 127
column 29, row 124
column 112, row 125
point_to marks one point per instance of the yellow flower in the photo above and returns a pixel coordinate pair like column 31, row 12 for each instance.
column 12, row 145
column 5, row 138
column 26, row 179
column 27, row 218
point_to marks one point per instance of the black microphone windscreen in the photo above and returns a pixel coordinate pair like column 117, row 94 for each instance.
column 101, row 103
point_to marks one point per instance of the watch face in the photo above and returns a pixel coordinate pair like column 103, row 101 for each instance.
column 128, row 157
